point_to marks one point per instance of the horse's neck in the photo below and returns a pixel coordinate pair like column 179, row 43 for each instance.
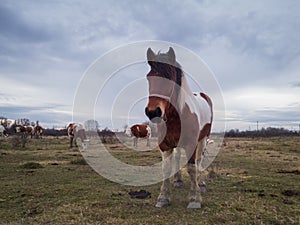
column 172, row 118
column 184, row 95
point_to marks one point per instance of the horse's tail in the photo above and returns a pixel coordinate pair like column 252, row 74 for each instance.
column 209, row 101
column 210, row 104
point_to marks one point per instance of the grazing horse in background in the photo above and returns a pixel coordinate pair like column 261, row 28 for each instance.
column 139, row 131
column 76, row 130
column 183, row 121
column 25, row 130
column 7, row 123
column 3, row 131
column 37, row 131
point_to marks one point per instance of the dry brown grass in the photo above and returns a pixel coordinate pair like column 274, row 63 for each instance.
column 252, row 181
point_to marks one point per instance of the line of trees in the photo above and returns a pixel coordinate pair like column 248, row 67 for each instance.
column 93, row 125
column 263, row 132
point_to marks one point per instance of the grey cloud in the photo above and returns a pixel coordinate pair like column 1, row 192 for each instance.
column 245, row 43
column 44, row 114
column 295, row 84
column 15, row 27
column 272, row 116
column 6, row 97
column 265, row 32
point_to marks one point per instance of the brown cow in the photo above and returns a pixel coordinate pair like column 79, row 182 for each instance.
column 139, row 131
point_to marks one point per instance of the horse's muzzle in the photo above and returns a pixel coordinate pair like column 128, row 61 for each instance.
column 154, row 115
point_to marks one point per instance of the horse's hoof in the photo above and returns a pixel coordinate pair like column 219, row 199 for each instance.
column 202, row 187
column 178, row 184
column 194, row 205
column 162, row 203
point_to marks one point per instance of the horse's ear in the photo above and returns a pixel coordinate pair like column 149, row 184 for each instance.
column 171, row 55
column 150, row 55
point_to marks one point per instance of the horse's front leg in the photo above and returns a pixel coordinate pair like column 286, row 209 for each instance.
column 75, row 141
column 193, row 168
column 177, row 176
column 164, row 196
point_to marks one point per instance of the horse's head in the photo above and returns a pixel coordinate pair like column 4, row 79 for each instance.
column 128, row 132
column 164, row 79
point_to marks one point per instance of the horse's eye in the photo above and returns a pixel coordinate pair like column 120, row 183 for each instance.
column 155, row 71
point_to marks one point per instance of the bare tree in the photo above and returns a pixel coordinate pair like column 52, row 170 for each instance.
column 91, row 125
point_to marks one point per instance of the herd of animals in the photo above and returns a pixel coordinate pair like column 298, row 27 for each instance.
column 74, row 131
column 32, row 131
column 183, row 120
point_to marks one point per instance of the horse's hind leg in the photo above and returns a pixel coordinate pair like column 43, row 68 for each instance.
column 148, row 142
column 135, row 140
column 164, row 196
column 177, row 176
column 201, row 149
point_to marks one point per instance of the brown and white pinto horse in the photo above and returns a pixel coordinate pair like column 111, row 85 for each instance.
column 25, row 130
column 37, row 131
column 139, row 131
column 3, row 131
column 75, row 131
column 183, row 121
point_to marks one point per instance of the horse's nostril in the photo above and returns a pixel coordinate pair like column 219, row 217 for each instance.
column 158, row 112
column 154, row 115
column 147, row 111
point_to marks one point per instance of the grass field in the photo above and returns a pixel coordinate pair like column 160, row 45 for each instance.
column 252, row 181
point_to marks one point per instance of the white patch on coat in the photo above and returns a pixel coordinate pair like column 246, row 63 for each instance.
column 196, row 104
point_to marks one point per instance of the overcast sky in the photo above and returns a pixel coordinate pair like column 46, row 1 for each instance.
column 253, row 48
